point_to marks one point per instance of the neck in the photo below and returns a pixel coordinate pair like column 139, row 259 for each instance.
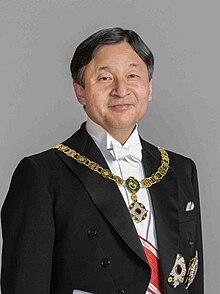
column 120, row 135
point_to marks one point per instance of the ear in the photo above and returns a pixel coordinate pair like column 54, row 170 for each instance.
column 150, row 91
column 80, row 93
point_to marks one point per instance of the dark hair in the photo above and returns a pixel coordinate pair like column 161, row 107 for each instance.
column 87, row 49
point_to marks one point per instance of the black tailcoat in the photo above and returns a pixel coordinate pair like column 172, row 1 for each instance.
column 65, row 227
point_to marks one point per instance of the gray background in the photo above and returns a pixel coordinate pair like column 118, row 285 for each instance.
column 38, row 108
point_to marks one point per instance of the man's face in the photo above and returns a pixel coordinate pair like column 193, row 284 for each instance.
column 117, row 88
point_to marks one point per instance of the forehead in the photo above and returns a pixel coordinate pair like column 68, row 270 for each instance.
column 116, row 54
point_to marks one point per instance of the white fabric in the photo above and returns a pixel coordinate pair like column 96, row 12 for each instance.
column 150, row 247
column 131, row 154
column 152, row 289
column 190, row 206
column 124, row 169
column 80, row 292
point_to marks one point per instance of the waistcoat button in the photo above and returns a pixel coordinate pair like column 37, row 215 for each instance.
column 120, row 291
column 91, row 232
column 105, row 262
column 191, row 244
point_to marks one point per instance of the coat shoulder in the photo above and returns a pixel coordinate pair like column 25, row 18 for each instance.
column 176, row 159
column 41, row 162
column 178, row 162
column 48, row 159
column 183, row 166
column 179, row 159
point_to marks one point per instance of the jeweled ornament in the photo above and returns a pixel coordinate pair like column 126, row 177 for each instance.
column 132, row 185
column 137, row 210
column 192, row 270
column 178, row 272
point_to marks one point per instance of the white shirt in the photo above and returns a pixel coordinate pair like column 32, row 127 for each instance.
column 123, row 169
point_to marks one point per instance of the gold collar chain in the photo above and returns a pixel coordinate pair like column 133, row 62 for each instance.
column 137, row 210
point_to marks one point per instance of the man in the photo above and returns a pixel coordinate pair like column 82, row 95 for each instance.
column 105, row 212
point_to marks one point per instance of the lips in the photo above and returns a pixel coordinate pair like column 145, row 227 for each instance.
column 120, row 106
column 120, row 102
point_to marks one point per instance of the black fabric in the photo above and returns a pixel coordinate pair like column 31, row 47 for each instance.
column 65, row 227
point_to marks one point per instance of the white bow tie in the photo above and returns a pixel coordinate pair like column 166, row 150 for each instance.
column 131, row 154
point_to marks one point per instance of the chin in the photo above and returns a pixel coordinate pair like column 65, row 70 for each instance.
column 123, row 125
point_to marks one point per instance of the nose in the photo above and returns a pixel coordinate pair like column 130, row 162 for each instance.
column 121, row 88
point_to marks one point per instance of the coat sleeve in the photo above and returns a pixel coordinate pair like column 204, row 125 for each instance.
column 197, row 287
column 28, row 233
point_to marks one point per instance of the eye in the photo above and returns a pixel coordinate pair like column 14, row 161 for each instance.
column 105, row 79
column 133, row 76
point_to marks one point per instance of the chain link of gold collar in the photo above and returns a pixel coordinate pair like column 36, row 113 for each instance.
column 106, row 173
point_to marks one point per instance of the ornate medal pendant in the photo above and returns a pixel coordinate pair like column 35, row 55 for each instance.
column 137, row 210
column 178, row 272
column 192, row 270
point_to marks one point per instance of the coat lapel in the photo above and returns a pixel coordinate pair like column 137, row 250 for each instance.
column 164, row 197
column 108, row 199
column 104, row 192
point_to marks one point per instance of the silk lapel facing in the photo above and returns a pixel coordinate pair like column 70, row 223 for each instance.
column 104, row 192
column 164, row 197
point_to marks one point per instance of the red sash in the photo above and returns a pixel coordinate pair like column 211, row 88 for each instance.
column 155, row 285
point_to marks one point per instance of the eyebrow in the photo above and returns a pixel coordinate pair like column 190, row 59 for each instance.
column 100, row 68
column 134, row 64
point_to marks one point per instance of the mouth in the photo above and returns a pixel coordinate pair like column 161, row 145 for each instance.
column 120, row 106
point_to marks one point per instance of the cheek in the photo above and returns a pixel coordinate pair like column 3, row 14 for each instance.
column 142, row 95
column 97, row 98
column 142, row 105
column 147, row 95
column 94, row 103
column 141, row 89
